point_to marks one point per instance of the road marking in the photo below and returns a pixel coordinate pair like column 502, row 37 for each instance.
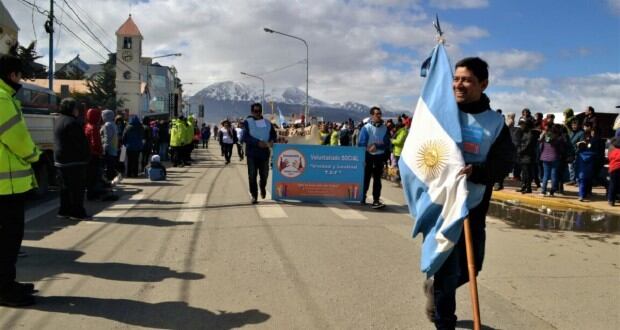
column 192, row 208
column 118, row 209
column 390, row 202
column 345, row 212
column 42, row 209
column 271, row 210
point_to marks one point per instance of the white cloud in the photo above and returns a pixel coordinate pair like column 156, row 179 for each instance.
column 615, row 6
column 602, row 91
column 512, row 60
column 218, row 39
column 351, row 47
column 459, row 4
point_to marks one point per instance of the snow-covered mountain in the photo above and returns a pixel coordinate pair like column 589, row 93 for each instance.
column 230, row 99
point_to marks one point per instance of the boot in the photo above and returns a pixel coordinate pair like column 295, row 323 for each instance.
column 14, row 295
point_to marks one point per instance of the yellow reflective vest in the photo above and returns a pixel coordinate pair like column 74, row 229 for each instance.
column 176, row 133
column 17, row 150
column 189, row 131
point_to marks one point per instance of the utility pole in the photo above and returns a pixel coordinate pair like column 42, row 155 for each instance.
column 49, row 27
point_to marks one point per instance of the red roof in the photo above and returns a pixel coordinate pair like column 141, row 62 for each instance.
column 129, row 29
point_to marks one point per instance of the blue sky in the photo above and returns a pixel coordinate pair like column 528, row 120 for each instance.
column 545, row 55
column 560, row 30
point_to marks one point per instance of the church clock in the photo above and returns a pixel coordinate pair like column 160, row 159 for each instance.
column 127, row 56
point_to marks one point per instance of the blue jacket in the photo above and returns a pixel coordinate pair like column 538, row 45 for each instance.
column 251, row 142
column 133, row 135
column 378, row 135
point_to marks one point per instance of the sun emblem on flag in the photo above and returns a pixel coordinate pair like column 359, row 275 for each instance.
column 432, row 157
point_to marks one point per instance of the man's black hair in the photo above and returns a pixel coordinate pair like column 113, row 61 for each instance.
column 10, row 64
column 67, row 105
column 591, row 109
column 372, row 110
column 260, row 106
column 478, row 66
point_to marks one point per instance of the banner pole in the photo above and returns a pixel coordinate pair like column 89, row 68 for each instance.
column 471, row 267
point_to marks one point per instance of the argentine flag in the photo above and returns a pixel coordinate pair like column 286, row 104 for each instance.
column 281, row 118
column 429, row 166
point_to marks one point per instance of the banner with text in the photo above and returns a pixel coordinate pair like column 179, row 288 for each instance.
column 317, row 173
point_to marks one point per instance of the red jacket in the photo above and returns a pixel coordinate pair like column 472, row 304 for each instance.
column 614, row 159
column 93, row 120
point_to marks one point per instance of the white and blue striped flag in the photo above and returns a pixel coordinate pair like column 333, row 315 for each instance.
column 429, row 165
column 281, row 118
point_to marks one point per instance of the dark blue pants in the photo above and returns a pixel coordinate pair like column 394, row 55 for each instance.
column 257, row 167
column 72, row 189
column 453, row 273
column 11, row 235
column 373, row 168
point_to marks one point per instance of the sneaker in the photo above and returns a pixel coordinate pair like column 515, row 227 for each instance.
column 430, row 299
column 254, row 200
column 81, row 217
column 612, row 203
column 377, row 205
column 263, row 193
column 63, row 215
column 15, row 296
column 27, row 288
column 497, row 187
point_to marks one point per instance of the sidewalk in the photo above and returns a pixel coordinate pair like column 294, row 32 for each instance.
column 570, row 200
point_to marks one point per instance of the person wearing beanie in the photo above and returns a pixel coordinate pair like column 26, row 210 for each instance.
column 155, row 171
column 109, row 142
column 92, row 130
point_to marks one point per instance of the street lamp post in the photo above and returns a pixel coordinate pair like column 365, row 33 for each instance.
column 307, row 110
column 148, row 79
column 262, row 80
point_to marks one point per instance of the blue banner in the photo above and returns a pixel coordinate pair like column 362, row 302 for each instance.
column 316, row 173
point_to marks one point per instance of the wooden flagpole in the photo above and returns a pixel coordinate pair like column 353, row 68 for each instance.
column 471, row 267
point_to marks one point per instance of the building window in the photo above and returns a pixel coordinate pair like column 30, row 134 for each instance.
column 127, row 43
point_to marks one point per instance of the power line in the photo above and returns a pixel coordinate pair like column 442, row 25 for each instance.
column 34, row 30
column 45, row 13
column 60, row 23
column 93, row 35
column 282, row 68
column 60, row 30
column 101, row 29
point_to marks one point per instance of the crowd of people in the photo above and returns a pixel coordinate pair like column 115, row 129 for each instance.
column 573, row 152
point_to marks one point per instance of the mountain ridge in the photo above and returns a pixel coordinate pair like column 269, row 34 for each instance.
column 229, row 99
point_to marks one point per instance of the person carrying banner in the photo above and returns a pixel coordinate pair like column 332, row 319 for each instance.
column 259, row 136
column 489, row 154
column 374, row 136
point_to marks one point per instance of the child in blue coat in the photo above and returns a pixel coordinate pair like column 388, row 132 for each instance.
column 156, row 171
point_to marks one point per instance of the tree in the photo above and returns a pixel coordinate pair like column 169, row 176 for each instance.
column 72, row 74
column 29, row 55
column 102, row 87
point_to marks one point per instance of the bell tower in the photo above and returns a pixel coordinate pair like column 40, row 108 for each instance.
column 128, row 78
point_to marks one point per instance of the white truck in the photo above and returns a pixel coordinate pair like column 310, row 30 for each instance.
column 38, row 107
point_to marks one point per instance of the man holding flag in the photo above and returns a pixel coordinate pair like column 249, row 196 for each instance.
column 456, row 150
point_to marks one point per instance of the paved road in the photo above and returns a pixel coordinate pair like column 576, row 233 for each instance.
column 193, row 253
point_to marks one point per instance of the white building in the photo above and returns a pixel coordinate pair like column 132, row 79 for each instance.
column 8, row 30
